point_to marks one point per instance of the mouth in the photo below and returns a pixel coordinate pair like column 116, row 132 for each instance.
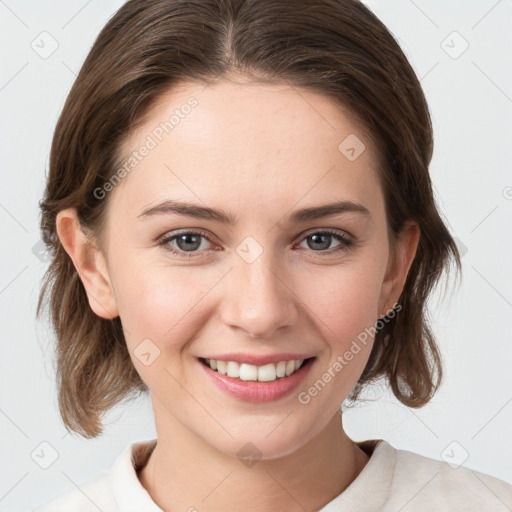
column 253, row 383
column 250, row 372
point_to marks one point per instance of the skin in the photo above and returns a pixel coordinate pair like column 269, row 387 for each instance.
column 259, row 152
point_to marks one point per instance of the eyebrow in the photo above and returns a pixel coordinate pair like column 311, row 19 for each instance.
column 202, row 212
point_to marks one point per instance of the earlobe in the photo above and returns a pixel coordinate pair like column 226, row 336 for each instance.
column 89, row 263
column 398, row 267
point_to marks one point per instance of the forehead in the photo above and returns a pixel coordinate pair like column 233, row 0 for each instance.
column 246, row 143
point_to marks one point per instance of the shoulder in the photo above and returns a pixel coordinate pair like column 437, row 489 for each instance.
column 422, row 483
column 113, row 490
column 93, row 495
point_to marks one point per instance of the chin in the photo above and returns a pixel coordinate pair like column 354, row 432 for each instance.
column 258, row 444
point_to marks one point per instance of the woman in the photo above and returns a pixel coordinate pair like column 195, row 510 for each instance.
column 288, row 143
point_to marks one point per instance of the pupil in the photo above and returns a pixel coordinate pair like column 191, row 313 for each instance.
column 317, row 239
column 187, row 239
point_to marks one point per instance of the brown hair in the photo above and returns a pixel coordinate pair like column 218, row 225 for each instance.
column 337, row 48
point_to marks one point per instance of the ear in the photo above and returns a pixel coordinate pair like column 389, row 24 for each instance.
column 89, row 263
column 398, row 267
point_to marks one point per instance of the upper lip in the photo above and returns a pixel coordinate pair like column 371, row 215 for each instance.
column 258, row 360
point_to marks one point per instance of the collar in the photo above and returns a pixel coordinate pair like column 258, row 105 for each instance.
column 129, row 493
column 367, row 493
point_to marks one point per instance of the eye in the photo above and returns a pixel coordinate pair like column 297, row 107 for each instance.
column 320, row 241
column 187, row 243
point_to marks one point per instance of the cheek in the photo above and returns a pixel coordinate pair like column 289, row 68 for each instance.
column 165, row 303
column 344, row 301
column 166, row 306
column 159, row 303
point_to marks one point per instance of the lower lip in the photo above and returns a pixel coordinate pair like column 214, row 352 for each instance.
column 254, row 391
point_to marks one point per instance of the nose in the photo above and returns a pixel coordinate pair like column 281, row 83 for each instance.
column 258, row 300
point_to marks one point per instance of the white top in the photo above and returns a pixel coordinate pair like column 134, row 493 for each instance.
column 392, row 480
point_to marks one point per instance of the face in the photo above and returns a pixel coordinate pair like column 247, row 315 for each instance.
column 257, row 282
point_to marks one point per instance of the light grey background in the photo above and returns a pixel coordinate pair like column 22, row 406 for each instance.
column 470, row 96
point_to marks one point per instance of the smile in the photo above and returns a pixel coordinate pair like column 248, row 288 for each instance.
column 245, row 371
column 266, row 382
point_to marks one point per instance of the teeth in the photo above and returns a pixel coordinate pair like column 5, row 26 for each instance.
column 281, row 369
column 266, row 373
column 290, row 368
column 221, row 367
column 233, row 369
column 248, row 372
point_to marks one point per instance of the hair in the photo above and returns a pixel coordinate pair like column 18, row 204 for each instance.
column 337, row 48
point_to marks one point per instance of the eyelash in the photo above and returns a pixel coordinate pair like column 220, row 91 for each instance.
column 346, row 243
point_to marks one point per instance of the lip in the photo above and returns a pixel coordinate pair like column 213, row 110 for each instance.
column 258, row 360
column 254, row 391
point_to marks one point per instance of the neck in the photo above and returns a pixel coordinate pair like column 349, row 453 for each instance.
column 183, row 473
